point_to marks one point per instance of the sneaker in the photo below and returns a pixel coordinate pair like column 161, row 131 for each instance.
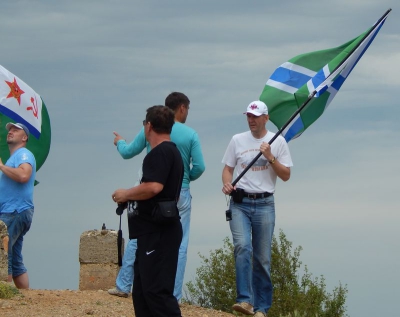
column 115, row 292
column 244, row 308
column 260, row 314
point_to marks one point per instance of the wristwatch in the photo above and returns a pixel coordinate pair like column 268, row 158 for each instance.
column 272, row 161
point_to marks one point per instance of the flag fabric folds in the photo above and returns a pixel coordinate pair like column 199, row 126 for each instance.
column 20, row 103
column 314, row 78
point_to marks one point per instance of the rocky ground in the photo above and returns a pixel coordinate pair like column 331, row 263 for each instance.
column 52, row 303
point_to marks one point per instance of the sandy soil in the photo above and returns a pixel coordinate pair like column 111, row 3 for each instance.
column 51, row 303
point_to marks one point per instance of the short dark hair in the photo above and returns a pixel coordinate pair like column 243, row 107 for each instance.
column 175, row 99
column 161, row 118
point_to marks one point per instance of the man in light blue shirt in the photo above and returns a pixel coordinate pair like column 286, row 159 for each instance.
column 17, row 177
column 188, row 144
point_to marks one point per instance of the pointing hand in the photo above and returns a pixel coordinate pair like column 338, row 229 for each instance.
column 117, row 138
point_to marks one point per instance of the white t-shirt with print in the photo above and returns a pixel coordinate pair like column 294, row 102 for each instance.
column 261, row 177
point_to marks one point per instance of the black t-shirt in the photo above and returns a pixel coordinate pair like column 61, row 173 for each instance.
column 163, row 164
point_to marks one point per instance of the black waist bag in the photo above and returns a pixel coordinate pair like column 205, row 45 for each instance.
column 165, row 212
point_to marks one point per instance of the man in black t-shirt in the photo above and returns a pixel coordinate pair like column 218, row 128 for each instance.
column 158, row 244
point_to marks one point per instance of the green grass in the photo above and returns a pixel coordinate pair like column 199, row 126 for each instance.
column 7, row 291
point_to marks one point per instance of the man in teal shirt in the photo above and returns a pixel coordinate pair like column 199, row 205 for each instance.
column 188, row 144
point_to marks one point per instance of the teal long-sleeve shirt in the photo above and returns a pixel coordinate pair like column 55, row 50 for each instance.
column 186, row 140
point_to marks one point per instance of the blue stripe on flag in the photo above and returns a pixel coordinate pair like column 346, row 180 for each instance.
column 289, row 77
column 12, row 115
column 294, row 129
column 321, row 91
column 338, row 82
column 318, row 78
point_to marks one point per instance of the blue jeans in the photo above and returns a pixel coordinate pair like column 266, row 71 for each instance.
column 124, row 279
column 252, row 228
column 18, row 224
column 125, row 275
column 184, row 206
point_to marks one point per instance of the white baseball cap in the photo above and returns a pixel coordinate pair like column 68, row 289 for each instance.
column 257, row 108
column 18, row 126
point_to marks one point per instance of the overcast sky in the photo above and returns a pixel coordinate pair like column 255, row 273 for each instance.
column 98, row 65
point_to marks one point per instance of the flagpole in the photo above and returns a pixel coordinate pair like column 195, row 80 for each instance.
column 308, row 100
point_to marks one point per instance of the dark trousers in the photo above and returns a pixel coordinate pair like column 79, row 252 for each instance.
column 154, row 273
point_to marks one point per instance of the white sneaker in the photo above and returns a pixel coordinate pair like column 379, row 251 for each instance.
column 244, row 308
column 115, row 292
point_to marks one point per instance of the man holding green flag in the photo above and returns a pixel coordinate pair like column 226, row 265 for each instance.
column 253, row 207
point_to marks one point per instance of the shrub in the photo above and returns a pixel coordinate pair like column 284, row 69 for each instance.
column 7, row 291
column 214, row 285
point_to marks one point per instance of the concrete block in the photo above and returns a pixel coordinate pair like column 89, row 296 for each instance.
column 98, row 257
column 99, row 246
column 97, row 276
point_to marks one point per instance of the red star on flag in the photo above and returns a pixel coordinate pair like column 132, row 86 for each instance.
column 15, row 91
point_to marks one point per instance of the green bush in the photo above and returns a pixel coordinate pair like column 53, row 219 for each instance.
column 7, row 291
column 214, row 285
column 297, row 314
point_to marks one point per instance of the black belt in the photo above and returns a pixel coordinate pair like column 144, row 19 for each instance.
column 256, row 195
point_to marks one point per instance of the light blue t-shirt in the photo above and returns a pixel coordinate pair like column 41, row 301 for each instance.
column 14, row 195
column 186, row 140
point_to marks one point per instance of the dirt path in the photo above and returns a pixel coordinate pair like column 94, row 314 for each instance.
column 54, row 303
